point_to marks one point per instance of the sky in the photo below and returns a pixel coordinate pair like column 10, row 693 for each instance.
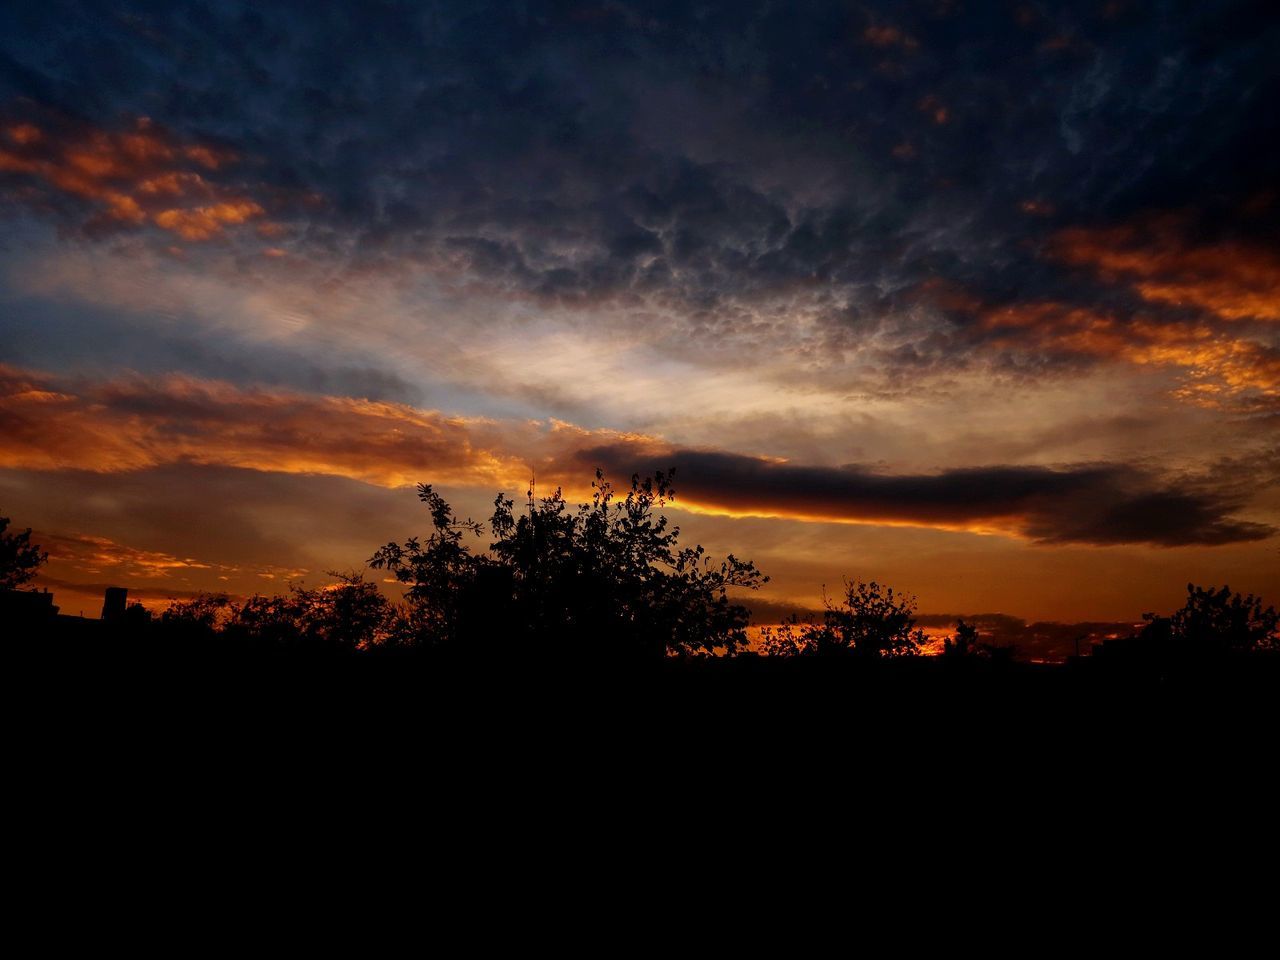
column 978, row 300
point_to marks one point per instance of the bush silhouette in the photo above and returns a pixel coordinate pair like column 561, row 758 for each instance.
column 871, row 622
column 605, row 579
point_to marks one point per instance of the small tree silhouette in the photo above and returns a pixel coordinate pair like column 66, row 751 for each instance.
column 871, row 622
column 965, row 643
column 606, row 578
column 19, row 558
column 1219, row 622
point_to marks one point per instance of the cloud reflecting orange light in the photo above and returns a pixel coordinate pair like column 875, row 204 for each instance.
column 1219, row 365
column 131, row 424
column 131, row 178
column 97, row 555
column 134, row 424
column 1233, row 280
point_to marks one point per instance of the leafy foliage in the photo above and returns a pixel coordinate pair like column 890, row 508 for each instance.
column 606, row 578
column 872, row 621
column 19, row 557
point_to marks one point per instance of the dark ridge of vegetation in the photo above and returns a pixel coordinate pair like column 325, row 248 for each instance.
column 604, row 583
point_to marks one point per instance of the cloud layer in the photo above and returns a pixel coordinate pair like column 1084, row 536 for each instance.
column 1092, row 504
column 755, row 181
column 133, row 425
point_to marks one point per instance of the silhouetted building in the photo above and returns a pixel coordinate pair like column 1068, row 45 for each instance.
column 114, row 603
column 26, row 608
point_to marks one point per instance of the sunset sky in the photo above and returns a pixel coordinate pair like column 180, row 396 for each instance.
column 979, row 300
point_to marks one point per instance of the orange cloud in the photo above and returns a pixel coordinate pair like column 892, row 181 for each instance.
column 1233, row 280
column 1220, row 367
column 205, row 222
column 96, row 555
column 132, row 178
column 134, row 424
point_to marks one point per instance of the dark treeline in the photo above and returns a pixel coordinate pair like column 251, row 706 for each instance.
column 606, row 582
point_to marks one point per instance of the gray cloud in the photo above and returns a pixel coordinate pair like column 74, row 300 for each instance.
column 1091, row 504
column 717, row 162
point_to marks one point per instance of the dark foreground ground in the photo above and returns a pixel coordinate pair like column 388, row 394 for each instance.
column 780, row 779
column 929, row 700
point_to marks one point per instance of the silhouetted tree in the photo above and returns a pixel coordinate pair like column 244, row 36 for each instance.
column 349, row 614
column 606, row 578
column 1214, row 621
column 19, row 557
column 443, row 576
column 272, row 623
column 196, row 619
column 965, row 643
column 871, row 622
column 968, row 644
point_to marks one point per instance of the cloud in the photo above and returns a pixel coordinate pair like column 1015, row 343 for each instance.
column 128, row 178
column 1090, row 504
column 132, row 423
column 1222, row 368
column 1229, row 279
column 727, row 177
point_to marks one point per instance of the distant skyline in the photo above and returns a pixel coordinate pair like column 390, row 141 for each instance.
column 981, row 301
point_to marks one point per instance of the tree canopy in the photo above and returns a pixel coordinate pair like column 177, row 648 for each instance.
column 1215, row 622
column 607, row 578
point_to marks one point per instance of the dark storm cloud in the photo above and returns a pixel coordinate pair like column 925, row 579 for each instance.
column 709, row 158
column 1092, row 504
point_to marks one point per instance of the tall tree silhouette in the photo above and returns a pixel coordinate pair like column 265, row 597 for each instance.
column 607, row 578
column 19, row 557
